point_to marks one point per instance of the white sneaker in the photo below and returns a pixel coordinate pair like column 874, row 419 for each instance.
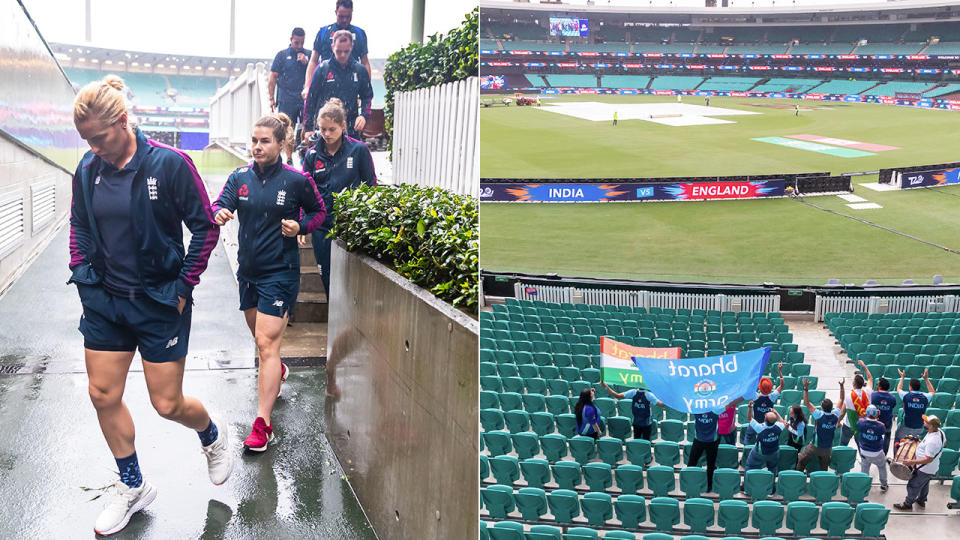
column 219, row 456
column 123, row 502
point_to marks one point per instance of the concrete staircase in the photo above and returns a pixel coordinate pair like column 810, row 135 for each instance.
column 305, row 340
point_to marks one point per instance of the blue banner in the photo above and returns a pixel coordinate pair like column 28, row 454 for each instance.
column 681, row 191
column 930, row 178
column 699, row 385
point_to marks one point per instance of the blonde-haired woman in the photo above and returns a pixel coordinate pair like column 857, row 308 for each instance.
column 337, row 162
column 275, row 203
column 131, row 196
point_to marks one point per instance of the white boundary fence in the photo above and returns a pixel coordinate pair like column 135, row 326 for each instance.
column 888, row 304
column 647, row 299
column 435, row 137
column 237, row 105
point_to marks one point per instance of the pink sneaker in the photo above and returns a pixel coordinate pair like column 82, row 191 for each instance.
column 283, row 376
column 260, row 436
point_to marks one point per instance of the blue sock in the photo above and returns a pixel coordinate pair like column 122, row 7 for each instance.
column 208, row 435
column 130, row 470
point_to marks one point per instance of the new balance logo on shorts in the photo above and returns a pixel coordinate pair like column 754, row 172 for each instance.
column 278, row 303
column 172, row 342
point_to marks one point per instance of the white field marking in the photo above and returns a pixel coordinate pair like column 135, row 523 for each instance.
column 864, row 206
column 880, row 187
column 850, row 197
column 691, row 115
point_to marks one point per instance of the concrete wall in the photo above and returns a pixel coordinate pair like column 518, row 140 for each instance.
column 404, row 418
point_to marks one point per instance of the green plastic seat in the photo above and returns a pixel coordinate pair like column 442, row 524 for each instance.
column 728, row 456
column 620, row 427
column 497, row 442
column 583, row 449
column 855, row 486
column 629, row 478
column 531, row 502
column 517, row 421
column 581, row 533
column 610, row 450
column 506, row 530
column 758, row 484
column 631, row 510
column 657, row 536
column 671, row 430
column 948, row 462
column 952, row 435
column 535, row 472
column 791, row 484
column 698, row 514
column 597, row 507
column 664, row 512
column 534, row 402
column 802, row 517
column 566, row 474
column 619, row 535
column 484, row 535
column 553, row 446
column 666, row 453
column 638, row 451
column 726, row 482
column 767, row 517
column 566, row 424
column 511, row 401
column 597, row 476
column 842, row 458
column 512, row 384
column 557, row 404
column 498, row 500
column 823, row 485
column 491, row 419
column 505, row 469
column 544, row 532
column 835, row 517
column 871, row 518
column 542, row 423
column 489, row 400
column 558, row 387
column 787, row 457
column 564, row 505
column 526, row 444
column 693, row 481
column 732, row 515
column 660, row 480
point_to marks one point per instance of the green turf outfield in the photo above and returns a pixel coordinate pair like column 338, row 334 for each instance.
column 751, row 241
column 524, row 142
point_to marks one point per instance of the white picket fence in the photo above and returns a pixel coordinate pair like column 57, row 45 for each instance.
column 647, row 299
column 888, row 304
column 435, row 137
column 238, row 105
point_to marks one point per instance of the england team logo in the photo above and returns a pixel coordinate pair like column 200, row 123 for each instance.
column 152, row 188
column 281, row 197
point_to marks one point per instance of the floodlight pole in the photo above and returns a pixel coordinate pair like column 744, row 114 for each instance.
column 233, row 26
column 416, row 30
column 89, row 32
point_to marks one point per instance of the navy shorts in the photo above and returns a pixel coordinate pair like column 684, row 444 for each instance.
column 114, row 323
column 293, row 109
column 274, row 298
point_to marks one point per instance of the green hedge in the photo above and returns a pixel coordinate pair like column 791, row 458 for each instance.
column 428, row 235
column 441, row 59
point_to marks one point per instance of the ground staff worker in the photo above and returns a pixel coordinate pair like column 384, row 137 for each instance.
column 323, row 43
column 335, row 163
column 343, row 79
column 131, row 197
column 288, row 70
column 275, row 202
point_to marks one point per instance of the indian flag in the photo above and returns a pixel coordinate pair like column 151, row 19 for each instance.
column 617, row 367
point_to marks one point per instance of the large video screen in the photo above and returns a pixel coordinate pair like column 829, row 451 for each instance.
column 569, row 27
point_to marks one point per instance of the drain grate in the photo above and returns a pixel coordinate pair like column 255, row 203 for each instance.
column 11, row 369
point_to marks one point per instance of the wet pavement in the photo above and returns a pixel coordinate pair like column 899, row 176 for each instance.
column 53, row 456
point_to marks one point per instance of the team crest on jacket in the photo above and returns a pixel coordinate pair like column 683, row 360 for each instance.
column 350, row 162
column 152, row 188
column 319, row 166
column 329, row 75
column 355, row 78
column 243, row 191
column 281, row 197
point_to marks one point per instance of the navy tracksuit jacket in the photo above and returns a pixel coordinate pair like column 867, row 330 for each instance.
column 166, row 192
column 346, row 83
column 263, row 200
column 349, row 167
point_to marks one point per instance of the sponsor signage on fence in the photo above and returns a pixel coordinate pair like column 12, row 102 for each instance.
column 616, row 366
column 930, row 178
column 680, row 191
column 699, row 385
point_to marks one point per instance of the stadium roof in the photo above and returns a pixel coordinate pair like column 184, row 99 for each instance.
column 746, row 11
